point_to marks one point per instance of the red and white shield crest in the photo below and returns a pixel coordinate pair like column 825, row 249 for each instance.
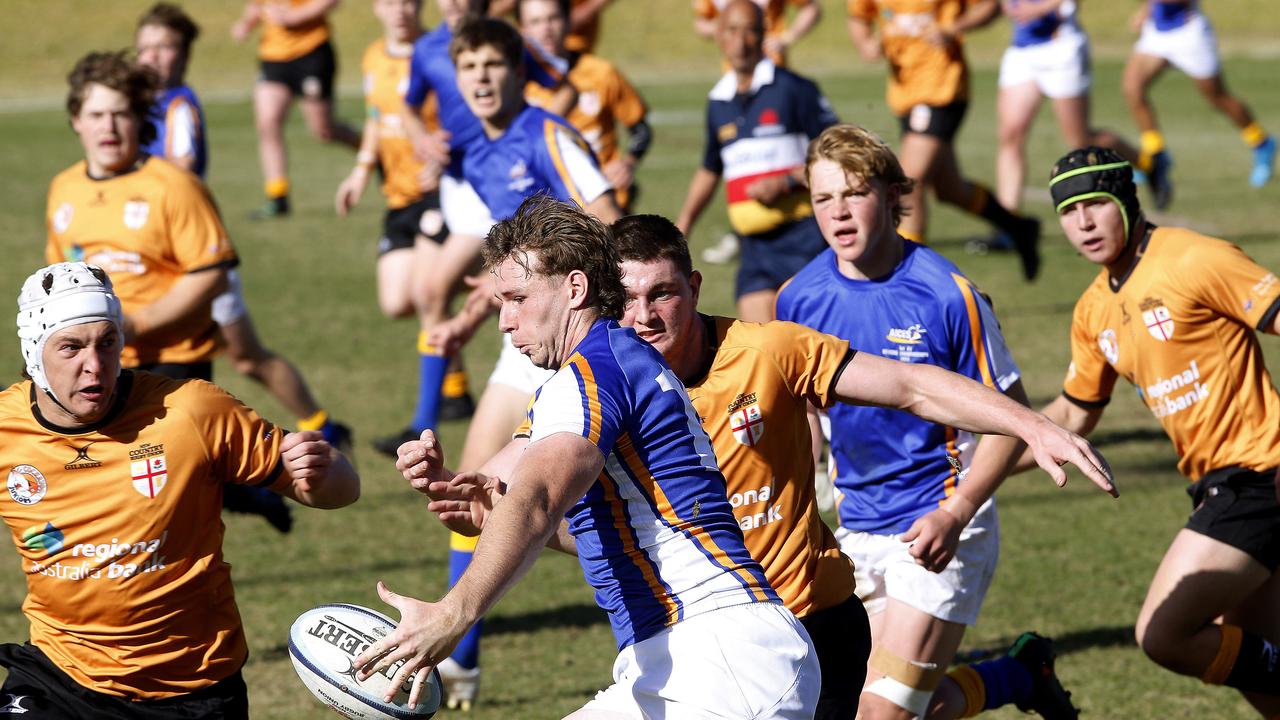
column 748, row 425
column 1158, row 323
column 149, row 475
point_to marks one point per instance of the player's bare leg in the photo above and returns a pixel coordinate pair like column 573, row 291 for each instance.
column 1077, row 131
column 1214, row 90
column 917, row 156
column 757, row 306
column 271, row 102
column 1016, row 107
column 917, row 637
column 1199, row 581
column 395, row 271
column 1154, row 162
column 321, row 123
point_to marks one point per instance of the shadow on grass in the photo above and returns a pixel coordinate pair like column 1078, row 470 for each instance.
column 578, row 615
column 245, row 579
column 1116, row 636
column 1131, row 435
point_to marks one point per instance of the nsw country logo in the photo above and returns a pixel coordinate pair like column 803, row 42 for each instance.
column 747, row 424
column 45, row 537
column 1156, row 317
column 26, row 485
column 135, row 213
column 149, row 475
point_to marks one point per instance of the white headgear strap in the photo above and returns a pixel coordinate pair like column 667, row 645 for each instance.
column 57, row 297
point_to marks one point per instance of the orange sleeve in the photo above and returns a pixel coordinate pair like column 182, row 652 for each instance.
column 1090, row 378
column 52, row 253
column 861, row 9
column 705, row 9
column 1224, row 278
column 810, row 361
column 245, row 448
column 628, row 107
column 196, row 233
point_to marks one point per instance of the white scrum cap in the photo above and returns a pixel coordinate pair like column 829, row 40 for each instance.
column 57, row 297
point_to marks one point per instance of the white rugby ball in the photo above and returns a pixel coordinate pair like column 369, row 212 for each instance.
column 324, row 643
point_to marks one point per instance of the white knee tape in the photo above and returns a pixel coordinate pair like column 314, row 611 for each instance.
column 913, row 700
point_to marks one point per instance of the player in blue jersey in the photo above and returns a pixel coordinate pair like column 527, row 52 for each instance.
column 615, row 448
column 165, row 34
column 431, row 72
column 1047, row 57
column 1175, row 32
column 914, row 497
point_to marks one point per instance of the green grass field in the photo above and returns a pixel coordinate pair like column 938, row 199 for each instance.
column 1075, row 564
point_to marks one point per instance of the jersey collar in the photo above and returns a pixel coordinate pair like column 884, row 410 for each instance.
column 123, row 386
column 1115, row 283
column 727, row 87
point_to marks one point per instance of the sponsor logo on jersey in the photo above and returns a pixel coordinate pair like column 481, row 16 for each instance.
column 136, row 212
column 727, row 132
column 1168, row 396
column 45, row 537
column 62, row 217
column 913, row 335
column 768, row 124
column 149, row 475
column 13, row 705
column 1156, row 317
column 82, row 459
column 26, row 485
column 520, row 180
column 747, row 425
column 1108, row 345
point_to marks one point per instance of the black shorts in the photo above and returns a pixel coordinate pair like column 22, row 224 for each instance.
column 1238, row 507
column 36, row 686
column 402, row 226
column 842, row 637
column 940, row 121
column 310, row 75
column 770, row 259
column 180, row 371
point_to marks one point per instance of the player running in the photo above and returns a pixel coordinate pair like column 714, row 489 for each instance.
column 929, row 93
column 1178, row 314
column 915, row 497
column 1175, row 32
column 296, row 60
column 605, row 98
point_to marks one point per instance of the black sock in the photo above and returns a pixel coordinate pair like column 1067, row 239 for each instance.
column 1257, row 666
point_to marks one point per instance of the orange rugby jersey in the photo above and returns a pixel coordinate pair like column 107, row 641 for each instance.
column 919, row 73
column 605, row 98
column 386, row 77
column 281, row 44
column 584, row 38
column 775, row 16
column 753, row 402
column 1181, row 329
column 146, row 228
column 118, row 530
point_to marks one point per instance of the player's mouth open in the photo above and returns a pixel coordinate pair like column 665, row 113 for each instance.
column 93, row 392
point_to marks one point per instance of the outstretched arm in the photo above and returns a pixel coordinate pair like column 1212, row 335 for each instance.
column 318, row 475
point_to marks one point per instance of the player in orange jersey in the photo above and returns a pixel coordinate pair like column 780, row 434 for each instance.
column 296, row 60
column 1178, row 314
column 583, row 21
column 929, row 93
column 605, row 97
column 112, row 505
column 779, row 35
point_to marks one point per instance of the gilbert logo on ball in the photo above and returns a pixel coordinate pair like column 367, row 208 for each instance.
column 323, row 645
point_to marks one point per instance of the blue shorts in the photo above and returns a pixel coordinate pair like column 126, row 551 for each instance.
column 770, row 259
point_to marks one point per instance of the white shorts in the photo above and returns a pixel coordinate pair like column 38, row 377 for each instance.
column 883, row 568
column 229, row 307
column 1059, row 67
column 1192, row 48
column 464, row 212
column 515, row 369
column 743, row 661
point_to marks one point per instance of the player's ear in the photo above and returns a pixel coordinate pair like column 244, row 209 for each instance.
column 695, row 284
column 578, row 287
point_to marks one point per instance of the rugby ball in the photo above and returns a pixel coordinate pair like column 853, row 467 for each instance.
column 323, row 645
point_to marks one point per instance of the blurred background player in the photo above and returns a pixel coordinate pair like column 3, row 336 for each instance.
column 929, row 93
column 779, row 35
column 1048, row 56
column 151, row 628
column 296, row 60
column 1175, row 32
column 1178, row 314
column 915, row 497
column 442, row 385
column 413, row 230
column 605, row 98
column 760, row 117
column 583, row 21
column 163, row 43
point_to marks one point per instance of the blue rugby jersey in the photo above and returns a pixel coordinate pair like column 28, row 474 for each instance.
column 892, row 467
column 1046, row 27
column 431, row 70
column 538, row 153
column 179, row 123
column 1172, row 15
column 656, row 535
column 762, row 133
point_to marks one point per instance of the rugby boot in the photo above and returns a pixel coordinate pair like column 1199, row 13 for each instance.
column 459, row 407
column 1264, row 157
column 1026, row 241
column 998, row 241
column 389, row 444
column 461, row 685
column 723, row 252
column 271, row 208
column 1048, row 698
column 1160, row 179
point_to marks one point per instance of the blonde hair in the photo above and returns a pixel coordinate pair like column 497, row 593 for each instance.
column 861, row 153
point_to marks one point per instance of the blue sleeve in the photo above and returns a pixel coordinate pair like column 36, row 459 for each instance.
column 544, row 70
column 419, row 84
column 711, row 156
